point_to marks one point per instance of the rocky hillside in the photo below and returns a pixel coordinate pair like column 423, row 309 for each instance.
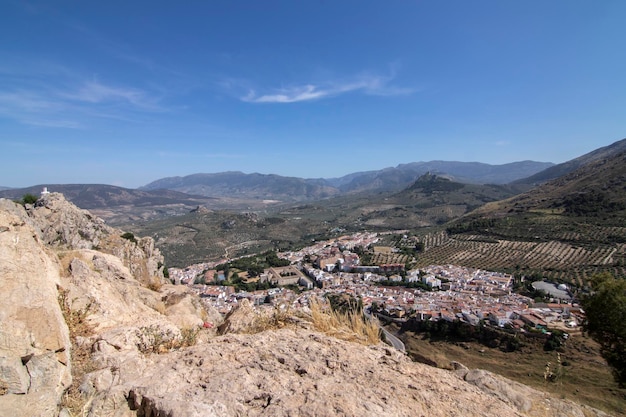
column 90, row 327
column 595, row 191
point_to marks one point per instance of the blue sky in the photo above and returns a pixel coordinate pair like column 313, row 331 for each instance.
column 125, row 93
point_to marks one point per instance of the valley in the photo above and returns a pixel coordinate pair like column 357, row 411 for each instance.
column 563, row 231
column 303, row 209
column 435, row 251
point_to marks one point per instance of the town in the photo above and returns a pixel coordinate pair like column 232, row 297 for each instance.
column 444, row 292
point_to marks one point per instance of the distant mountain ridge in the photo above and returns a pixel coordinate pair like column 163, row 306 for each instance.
column 565, row 168
column 239, row 184
column 594, row 189
column 403, row 175
column 91, row 196
column 193, row 189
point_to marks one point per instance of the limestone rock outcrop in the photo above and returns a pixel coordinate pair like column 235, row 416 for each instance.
column 48, row 259
column 62, row 225
column 34, row 338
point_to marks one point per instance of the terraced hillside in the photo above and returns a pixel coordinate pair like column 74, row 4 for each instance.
column 557, row 260
column 567, row 229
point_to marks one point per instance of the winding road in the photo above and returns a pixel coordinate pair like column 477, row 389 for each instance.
column 393, row 340
column 390, row 338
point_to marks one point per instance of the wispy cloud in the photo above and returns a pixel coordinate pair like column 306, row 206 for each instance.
column 96, row 93
column 55, row 99
column 371, row 85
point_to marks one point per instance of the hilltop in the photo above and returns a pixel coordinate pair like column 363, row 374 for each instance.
column 93, row 328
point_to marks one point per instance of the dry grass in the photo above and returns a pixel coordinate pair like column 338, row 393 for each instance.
column 350, row 326
column 280, row 317
column 159, row 307
column 66, row 258
column 157, row 340
column 75, row 402
column 586, row 379
column 154, row 284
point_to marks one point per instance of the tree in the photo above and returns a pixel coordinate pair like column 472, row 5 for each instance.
column 605, row 309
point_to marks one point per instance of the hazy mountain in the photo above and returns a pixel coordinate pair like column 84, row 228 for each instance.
column 90, row 196
column 433, row 199
column 4, row 188
column 238, row 184
column 466, row 172
column 571, row 165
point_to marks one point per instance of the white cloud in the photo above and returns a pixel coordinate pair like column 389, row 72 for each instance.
column 62, row 103
column 371, row 85
column 289, row 95
column 95, row 92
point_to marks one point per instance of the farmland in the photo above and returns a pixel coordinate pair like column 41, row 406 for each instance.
column 557, row 260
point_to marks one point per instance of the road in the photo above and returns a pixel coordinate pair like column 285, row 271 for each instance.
column 389, row 337
column 392, row 340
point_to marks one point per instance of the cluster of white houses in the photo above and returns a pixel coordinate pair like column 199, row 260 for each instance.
column 459, row 293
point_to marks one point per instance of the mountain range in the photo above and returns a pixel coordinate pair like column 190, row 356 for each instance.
column 240, row 191
column 264, row 186
column 95, row 196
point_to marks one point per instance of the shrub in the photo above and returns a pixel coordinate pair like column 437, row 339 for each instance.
column 77, row 324
column 28, row 199
column 129, row 236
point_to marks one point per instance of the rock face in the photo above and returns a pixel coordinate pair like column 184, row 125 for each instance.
column 296, row 371
column 34, row 339
column 140, row 349
column 62, row 225
column 47, row 252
